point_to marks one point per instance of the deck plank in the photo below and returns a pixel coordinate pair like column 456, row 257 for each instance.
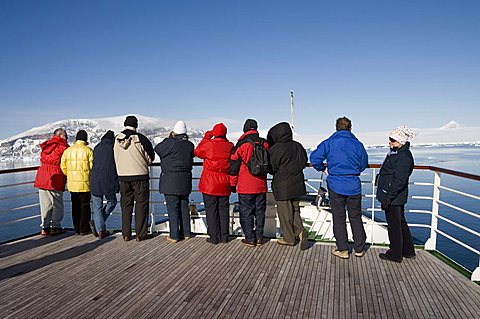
column 81, row 277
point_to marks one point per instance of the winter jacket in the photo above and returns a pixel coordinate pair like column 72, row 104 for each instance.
column 346, row 159
column 288, row 158
column 133, row 154
column 176, row 160
column 216, row 155
column 104, row 178
column 50, row 175
column 77, row 161
column 392, row 183
column 245, row 182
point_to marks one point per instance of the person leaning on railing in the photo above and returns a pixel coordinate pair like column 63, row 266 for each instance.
column 50, row 182
column 392, row 192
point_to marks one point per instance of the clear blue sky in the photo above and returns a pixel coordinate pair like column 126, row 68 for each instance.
column 381, row 63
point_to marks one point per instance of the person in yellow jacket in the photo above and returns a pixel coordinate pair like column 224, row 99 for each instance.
column 76, row 164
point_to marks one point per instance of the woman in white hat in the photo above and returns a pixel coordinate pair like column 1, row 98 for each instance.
column 392, row 192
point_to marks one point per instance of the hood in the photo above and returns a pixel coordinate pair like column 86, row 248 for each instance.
column 254, row 133
column 50, row 145
column 124, row 139
column 219, row 130
column 280, row 133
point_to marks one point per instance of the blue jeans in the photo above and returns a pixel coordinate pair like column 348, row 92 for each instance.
column 252, row 206
column 178, row 216
column 101, row 212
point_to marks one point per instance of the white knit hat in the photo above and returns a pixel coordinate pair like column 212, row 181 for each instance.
column 180, row 128
column 402, row 134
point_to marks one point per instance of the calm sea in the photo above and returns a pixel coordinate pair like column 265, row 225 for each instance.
column 22, row 222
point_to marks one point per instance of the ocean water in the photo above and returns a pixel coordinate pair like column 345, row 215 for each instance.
column 14, row 224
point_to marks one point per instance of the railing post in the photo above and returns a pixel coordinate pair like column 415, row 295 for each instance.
column 150, row 195
column 431, row 243
column 372, row 221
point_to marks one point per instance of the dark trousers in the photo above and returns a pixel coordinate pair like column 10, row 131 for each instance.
column 134, row 193
column 353, row 204
column 178, row 216
column 290, row 221
column 217, row 211
column 81, row 212
column 252, row 214
column 401, row 241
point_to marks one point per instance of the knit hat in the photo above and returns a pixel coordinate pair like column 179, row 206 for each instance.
column 81, row 136
column 219, row 130
column 402, row 134
column 110, row 135
column 131, row 121
column 250, row 124
column 180, row 128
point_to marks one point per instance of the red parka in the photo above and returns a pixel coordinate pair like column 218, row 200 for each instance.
column 245, row 182
column 49, row 175
column 216, row 155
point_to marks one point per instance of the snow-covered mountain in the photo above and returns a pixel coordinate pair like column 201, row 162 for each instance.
column 26, row 146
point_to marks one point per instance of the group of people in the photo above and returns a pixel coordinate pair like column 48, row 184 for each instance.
column 121, row 164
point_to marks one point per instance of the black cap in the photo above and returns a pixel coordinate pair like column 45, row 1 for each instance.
column 81, row 136
column 110, row 135
column 250, row 124
column 131, row 121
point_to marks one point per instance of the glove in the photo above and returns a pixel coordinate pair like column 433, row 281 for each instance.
column 208, row 135
column 385, row 206
column 233, row 189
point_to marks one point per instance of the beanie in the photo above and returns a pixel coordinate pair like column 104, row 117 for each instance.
column 219, row 130
column 81, row 136
column 250, row 124
column 110, row 135
column 131, row 121
column 180, row 128
column 402, row 134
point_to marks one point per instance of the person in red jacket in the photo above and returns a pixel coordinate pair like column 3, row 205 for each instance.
column 215, row 150
column 50, row 182
column 252, row 190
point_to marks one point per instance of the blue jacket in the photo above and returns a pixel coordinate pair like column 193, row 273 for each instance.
column 346, row 159
column 176, row 160
column 103, row 177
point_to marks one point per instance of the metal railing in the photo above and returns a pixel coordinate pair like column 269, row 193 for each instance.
column 438, row 205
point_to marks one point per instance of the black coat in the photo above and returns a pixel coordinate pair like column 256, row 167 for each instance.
column 392, row 183
column 176, row 160
column 103, row 177
column 288, row 158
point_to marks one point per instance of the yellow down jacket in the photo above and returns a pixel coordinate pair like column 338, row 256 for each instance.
column 77, row 161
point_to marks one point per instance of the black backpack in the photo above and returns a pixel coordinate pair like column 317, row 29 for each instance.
column 258, row 163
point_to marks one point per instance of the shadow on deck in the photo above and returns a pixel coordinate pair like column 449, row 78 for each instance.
column 80, row 277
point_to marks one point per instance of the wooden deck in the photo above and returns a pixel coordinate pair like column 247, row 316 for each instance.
column 80, row 277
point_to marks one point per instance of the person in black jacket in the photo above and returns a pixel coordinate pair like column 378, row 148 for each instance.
column 103, row 182
column 288, row 158
column 176, row 161
column 392, row 192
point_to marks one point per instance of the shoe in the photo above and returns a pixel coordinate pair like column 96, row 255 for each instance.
column 259, row 242
column 224, row 241
column 410, row 257
column 92, row 228
column 187, row 237
column 360, row 254
column 282, row 241
column 171, row 240
column 45, row 232
column 149, row 236
column 103, row 234
column 126, row 238
column 211, row 241
column 303, row 240
column 249, row 243
column 340, row 253
column 57, row 231
column 385, row 257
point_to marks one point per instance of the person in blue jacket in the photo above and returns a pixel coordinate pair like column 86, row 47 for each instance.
column 346, row 159
column 103, row 183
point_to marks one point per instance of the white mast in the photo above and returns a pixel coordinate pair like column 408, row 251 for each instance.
column 291, row 109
